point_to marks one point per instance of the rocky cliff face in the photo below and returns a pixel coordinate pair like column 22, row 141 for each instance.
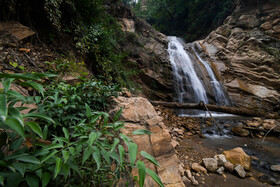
column 245, row 52
column 148, row 49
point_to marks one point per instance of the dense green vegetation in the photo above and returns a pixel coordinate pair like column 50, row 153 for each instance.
column 85, row 25
column 62, row 139
column 191, row 19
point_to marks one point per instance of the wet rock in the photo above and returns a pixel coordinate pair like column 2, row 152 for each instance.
column 198, row 168
column 211, row 164
column 269, row 124
column 238, row 156
column 189, row 175
column 240, row 131
column 220, row 170
column 221, row 159
column 240, row 171
column 229, row 166
column 275, row 167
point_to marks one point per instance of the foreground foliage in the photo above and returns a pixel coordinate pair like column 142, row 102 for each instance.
column 40, row 150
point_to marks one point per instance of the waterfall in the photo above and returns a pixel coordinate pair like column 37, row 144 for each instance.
column 219, row 93
column 188, row 87
column 187, row 83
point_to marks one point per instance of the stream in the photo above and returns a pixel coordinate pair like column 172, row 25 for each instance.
column 267, row 153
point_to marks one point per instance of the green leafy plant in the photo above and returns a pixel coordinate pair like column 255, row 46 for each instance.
column 90, row 152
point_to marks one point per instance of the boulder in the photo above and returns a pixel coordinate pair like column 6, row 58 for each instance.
column 198, row 168
column 238, row 156
column 139, row 113
column 240, row 131
column 269, row 124
column 240, row 171
column 229, row 166
column 221, row 159
column 220, row 170
column 211, row 164
column 275, row 167
column 256, row 122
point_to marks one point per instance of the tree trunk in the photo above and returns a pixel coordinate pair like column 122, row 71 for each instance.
column 225, row 109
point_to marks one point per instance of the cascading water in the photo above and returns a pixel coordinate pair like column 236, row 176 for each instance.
column 219, row 94
column 186, row 81
column 188, row 87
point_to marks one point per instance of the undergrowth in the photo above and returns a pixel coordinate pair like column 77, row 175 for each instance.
column 65, row 138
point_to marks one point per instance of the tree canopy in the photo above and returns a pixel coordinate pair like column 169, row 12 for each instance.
column 190, row 19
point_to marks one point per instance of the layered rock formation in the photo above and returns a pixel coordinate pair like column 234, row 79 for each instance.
column 245, row 52
column 138, row 113
column 148, row 49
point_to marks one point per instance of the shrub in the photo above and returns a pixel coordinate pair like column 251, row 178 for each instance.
column 86, row 153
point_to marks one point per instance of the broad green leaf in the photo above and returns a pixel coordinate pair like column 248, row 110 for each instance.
column 34, row 85
column 13, row 179
column 16, row 144
column 142, row 172
column 3, row 107
column 46, row 179
column 54, row 146
column 58, row 164
column 117, row 115
column 30, row 159
column 35, row 128
column 32, row 180
column 24, row 76
column 92, row 138
column 150, row 158
column 16, row 94
column 7, row 83
column 154, row 177
column 95, row 118
column 14, row 112
column 65, row 155
column 132, row 152
column 88, row 151
column 116, row 141
column 45, row 132
column 48, row 156
column 88, row 111
column 38, row 115
column 66, row 133
column 125, row 138
column 43, row 75
column 74, row 166
column 141, row 132
column 39, row 172
column 16, row 125
column 121, row 152
column 21, row 167
column 97, row 158
column 115, row 156
column 72, row 151
column 65, row 170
